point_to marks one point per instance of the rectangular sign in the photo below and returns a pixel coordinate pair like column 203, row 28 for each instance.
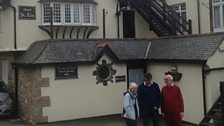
column 27, row 12
column 120, row 78
column 64, row 72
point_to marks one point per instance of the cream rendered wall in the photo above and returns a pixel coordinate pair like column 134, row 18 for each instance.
column 190, row 85
column 214, row 77
column 142, row 28
column 6, row 36
column 212, row 83
column 205, row 16
column 192, row 13
column 28, row 30
column 82, row 97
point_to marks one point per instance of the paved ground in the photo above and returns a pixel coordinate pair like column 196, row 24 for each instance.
column 98, row 121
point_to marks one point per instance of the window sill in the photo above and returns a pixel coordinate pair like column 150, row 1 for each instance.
column 218, row 29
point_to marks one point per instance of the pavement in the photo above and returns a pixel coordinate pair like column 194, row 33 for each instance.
column 113, row 120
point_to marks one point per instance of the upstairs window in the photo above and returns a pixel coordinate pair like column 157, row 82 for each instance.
column 69, row 13
column 218, row 15
column 180, row 9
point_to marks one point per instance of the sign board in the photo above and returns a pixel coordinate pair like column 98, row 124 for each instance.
column 120, row 78
column 66, row 71
column 27, row 12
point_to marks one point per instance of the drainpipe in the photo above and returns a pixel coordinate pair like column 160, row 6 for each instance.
column 16, row 91
column 118, row 21
column 199, row 17
column 204, row 88
column 211, row 16
column 14, row 16
column 222, row 98
column 51, row 23
column 104, row 27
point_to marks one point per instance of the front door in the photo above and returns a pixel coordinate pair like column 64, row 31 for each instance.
column 136, row 75
column 136, row 72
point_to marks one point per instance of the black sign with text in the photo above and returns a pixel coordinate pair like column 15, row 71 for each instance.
column 27, row 13
column 120, row 78
column 64, row 72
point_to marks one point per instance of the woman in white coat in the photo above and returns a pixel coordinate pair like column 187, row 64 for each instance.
column 130, row 105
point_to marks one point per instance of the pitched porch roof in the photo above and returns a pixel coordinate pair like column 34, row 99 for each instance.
column 187, row 48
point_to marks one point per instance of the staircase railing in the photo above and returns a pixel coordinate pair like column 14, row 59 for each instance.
column 171, row 17
column 147, row 13
column 164, row 14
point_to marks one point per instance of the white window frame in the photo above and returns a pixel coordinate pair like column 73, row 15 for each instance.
column 220, row 4
column 180, row 11
column 79, row 13
column 70, row 9
column 72, row 6
column 60, row 13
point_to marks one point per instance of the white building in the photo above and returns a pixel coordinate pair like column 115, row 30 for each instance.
column 23, row 22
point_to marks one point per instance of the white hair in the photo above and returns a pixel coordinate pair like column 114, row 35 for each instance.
column 132, row 85
column 169, row 76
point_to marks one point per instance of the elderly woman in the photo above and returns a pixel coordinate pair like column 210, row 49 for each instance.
column 130, row 105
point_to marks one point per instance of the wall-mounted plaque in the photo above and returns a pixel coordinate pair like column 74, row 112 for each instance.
column 27, row 12
column 120, row 78
column 66, row 71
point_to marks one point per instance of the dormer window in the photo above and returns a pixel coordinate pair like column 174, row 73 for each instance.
column 66, row 13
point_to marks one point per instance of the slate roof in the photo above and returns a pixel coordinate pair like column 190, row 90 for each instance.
column 190, row 48
column 185, row 47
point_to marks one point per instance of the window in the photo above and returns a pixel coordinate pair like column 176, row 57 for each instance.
column 86, row 14
column 218, row 15
column 69, row 13
column 76, row 11
column 180, row 9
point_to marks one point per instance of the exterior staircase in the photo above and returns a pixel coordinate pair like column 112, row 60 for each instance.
column 163, row 20
column 214, row 117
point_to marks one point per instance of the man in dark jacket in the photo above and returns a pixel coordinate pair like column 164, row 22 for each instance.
column 149, row 98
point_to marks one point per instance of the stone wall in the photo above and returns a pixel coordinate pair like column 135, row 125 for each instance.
column 29, row 94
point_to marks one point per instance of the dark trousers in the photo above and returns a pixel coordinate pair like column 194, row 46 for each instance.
column 173, row 119
column 130, row 122
column 150, row 113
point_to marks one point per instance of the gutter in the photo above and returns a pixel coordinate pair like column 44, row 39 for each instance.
column 213, row 69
